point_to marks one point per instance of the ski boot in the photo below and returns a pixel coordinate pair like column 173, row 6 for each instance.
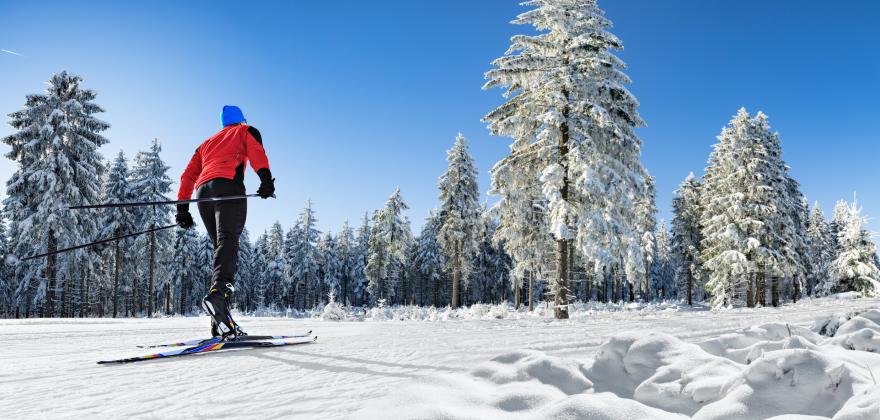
column 216, row 304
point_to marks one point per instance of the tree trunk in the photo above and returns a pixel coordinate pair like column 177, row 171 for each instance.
column 690, row 283
column 590, row 282
column 49, row 306
column 456, row 277
column 531, row 291
column 118, row 262
column 152, row 274
column 774, row 293
column 795, row 289
column 517, row 294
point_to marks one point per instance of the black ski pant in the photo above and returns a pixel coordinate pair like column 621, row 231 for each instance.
column 224, row 221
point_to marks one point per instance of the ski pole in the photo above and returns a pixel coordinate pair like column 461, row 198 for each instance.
column 157, row 203
column 11, row 259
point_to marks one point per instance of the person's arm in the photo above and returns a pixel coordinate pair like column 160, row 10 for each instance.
column 190, row 176
column 256, row 154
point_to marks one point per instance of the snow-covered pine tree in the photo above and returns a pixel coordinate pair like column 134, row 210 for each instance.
column 567, row 93
column 839, row 222
column 646, row 211
column 274, row 268
column 459, row 215
column 117, row 221
column 185, row 272
column 330, row 266
column 303, row 259
column 150, row 182
column 491, row 268
column 822, row 252
column 345, row 247
column 662, row 269
column 376, row 269
column 430, row 260
column 686, row 238
column 55, row 148
column 743, row 200
column 854, row 269
column 523, row 227
column 360, row 257
column 261, row 284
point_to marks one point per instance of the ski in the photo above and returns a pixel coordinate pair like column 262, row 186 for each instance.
column 204, row 341
column 208, row 348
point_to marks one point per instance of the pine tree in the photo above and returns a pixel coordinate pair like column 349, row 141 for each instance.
column 459, row 215
column 855, row 267
column 345, row 249
column 150, row 182
column 430, row 260
column 822, row 252
column 186, row 272
column 567, row 92
column 330, row 266
column 58, row 165
column 118, row 221
column 360, row 257
column 390, row 237
column 686, row 238
column 662, row 269
column 303, row 258
column 274, row 269
column 743, row 203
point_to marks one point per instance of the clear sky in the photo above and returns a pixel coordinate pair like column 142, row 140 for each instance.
column 356, row 98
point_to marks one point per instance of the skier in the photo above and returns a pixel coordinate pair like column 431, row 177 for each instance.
column 216, row 170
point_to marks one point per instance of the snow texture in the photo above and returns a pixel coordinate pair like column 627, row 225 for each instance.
column 631, row 362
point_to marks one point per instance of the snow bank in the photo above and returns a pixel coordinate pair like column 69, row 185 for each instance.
column 773, row 371
column 661, row 371
column 518, row 385
column 790, row 381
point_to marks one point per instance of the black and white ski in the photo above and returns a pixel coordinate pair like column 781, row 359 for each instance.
column 221, row 346
column 204, row 341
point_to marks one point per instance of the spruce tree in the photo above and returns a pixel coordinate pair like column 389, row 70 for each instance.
column 246, row 278
column 430, row 260
column 459, row 215
column 150, row 182
column 55, row 147
column 822, row 252
column 567, row 96
column 662, row 270
column 345, row 247
column 685, row 239
column 855, row 267
column 274, row 269
column 118, row 221
column 360, row 258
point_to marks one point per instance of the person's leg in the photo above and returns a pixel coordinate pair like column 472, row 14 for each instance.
column 230, row 216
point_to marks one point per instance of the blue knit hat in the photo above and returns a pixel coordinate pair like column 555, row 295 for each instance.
column 232, row 115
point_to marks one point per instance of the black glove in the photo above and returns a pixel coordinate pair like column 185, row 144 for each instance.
column 183, row 218
column 267, row 183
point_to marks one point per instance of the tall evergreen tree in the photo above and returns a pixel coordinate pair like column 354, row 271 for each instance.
column 345, row 248
column 247, row 277
column 360, row 258
column 55, row 147
column 150, row 182
column 822, row 252
column 186, row 272
column 686, row 238
column 459, row 215
column 855, row 269
column 429, row 260
column 274, row 269
column 567, row 93
column 743, row 203
column 303, row 259
column 119, row 221
column 330, row 266
column 390, row 237
column 662, row 267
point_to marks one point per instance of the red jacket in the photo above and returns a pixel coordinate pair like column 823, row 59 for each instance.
column 224, row 156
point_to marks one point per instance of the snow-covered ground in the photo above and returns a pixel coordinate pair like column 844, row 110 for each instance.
column 650, row 363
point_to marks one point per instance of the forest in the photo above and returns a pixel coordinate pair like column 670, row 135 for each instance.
column 573, row 215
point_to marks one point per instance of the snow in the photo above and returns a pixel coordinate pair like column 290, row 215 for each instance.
column 631, row 362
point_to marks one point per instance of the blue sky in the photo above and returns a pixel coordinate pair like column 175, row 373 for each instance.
column 356, row 98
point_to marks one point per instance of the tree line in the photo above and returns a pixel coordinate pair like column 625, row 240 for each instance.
column 575, row 218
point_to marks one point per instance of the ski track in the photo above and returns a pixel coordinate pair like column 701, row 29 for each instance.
column 48, row 367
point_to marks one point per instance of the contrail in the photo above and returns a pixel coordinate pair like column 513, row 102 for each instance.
column 12, row 52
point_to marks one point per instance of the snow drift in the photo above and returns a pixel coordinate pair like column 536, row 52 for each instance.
column 775, row 370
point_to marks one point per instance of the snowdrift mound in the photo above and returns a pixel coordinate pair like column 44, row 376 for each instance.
column 773, row 371
column 661, row 371
column 519, row 385
column 791, row 381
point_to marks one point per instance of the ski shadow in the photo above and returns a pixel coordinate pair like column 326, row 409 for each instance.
column 376, row 362
column 333, row 368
